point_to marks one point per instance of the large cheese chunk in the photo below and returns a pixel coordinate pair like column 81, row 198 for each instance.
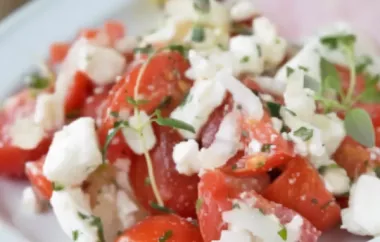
column 25, row 133
column 73, row 154
column 362, row 217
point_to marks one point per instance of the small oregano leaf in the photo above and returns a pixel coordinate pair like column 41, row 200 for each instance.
column 359, row 126
column 330, row 76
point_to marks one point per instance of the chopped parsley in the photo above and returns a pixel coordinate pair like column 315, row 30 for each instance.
column 136, row 102
column 245, row 59
column 198, row 34
column 186, row 99
column 274, row 109
column 305, row 69
column 36, row 81
column 165, row 102
column 283, row 233
column 377, row 171
column 234, row 167
column 266, row 148
column 161, row 208
column 259, row 51
column 167, row 235
column 144, row 50
column 333, row 41
column 75, row 235
column 82, row 216
column 304, row 133
column 314, row 201
column 147, row 181
column 198, row 204
column 289, row 71
column 57, row 187
column 114, row 114
column 236, row 206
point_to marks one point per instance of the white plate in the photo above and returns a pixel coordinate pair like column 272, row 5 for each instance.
column 24, row 40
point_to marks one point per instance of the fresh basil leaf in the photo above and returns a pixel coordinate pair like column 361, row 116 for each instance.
column 144, row 50
column 330, row 76
column 333, row 41
column 283, row 233
column 370, row 95
column 198, row 34
column 161, row 208
column 57, row 187
column 274, row 109
column 171, row 122
column 289, row 71
column 114, row 114
column 202, row 6
column 311, row 83
column 36, row 81
column 304, row 133
column 359, row 126
column 135, row 102
column 167, row 235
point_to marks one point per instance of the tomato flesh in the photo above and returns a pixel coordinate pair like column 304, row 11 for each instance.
column 41, row 185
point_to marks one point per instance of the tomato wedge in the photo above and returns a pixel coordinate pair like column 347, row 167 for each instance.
column 168, row 228
column 42, row 186
column 179, row 192
column 300, row 188
column 80, row 89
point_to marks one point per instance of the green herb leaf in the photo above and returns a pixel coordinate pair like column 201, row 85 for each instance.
column 144, row 50
column 330, row 76
column 165, row 102
column 75, row 235
column 241, row 29
column 198, row 204
column 186, row 99
column 245, row 59
column 234, row 167
column 363, row 63
column 73, row 114
column 97, row 222
column 377, row 171
column 198, row 34
column 135, row 102
column 82, row 216
column 182, row 49
column 305, row 69
column 111, row 134
column 274, row 109
column 370, row 95
column 161, row 208
column 311, row 83
column 114, row 114
column 371, row 80
column 333, row 41
column 283, row 233
column 289, row 71
column 359, row 126
column 266, row 148
column 235, row 206
column 147, row 181
column 202, row 6
column 304, row 133
column 57, row 187
column 36, row 81
column 259, row 51
column 171, row 122
column 167, row 235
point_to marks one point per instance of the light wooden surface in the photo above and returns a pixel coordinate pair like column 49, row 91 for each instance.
column 7, row 6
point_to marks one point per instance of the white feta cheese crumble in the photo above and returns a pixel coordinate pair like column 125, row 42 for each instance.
column 126, row 44
column 47, row 112
column 133, row 138
column 69, row 206
column 127, row 210
column 190, row 160
column 254, row 147
column 203, row 98
column 30, row 202
column 73, row 154
column 362, row 217
column 241, row 94
column 277, row 124
column 25, row 133
column 101, row 64
column 243, row 10
column 336, row 180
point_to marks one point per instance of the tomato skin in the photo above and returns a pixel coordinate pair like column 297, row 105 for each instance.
column 179, row 192
column 40, row 183
column 78, row 92
column 163, row 77
column 153, row 228
column 96, row 104
column 58, row 52
column 114, row 29
column 216, row 190
column 300, row 188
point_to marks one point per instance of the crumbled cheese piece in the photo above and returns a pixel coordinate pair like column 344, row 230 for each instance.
column 243, row 10
column 336, row 180
column 264, row 29
column 254, row 147
column 69, row 206
column 190, row 160
column 241, row 94
column 246, row 50
column 133, row 138
column 126, row 44
column 25, row 133
column 200, row 67
column 127, row 209
column 203, row 98
column 48, row 113
column 277, row 124
column 73, row 154
column 101, row 64
column 362, row 217
column 270, row 84
column 30, row 201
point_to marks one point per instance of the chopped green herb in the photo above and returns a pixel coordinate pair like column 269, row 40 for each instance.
column 327, row 204
column 377, row 171
column 198, row 34
column 171, row 122
column 36, row 81
column 144, row 50
column 57, row 187
column 245, row 59
column 97, row 222
column 329, row 75
column 111, row 134
column 304, row 133
column 274, row 109
column 266, row 148
column 165, row 102
column 236, row 205
column 202, row 6
column 234, row 167
column 333, row 41
column 198, row 204
column 289, row 71
column 161, row 208
column 167, row 235
column 82, row 216
column 114, row 114
column 261, row 210
column 305, row 69
column 241, row 29
column 259, row 51
column 370, row 95
column 363, row 63
column 359, row 126
column 186, row 99
column 75, row 235
column 182, row 49
column 136, row 103
column 283, row 233
column 314, row 201
column 73, row 114
column 311, row 83
column 147, row 181
column 291, row 112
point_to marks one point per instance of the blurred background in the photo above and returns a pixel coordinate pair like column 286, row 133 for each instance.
column 7, row 6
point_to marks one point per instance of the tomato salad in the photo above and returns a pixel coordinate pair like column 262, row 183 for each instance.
column 207, row 129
